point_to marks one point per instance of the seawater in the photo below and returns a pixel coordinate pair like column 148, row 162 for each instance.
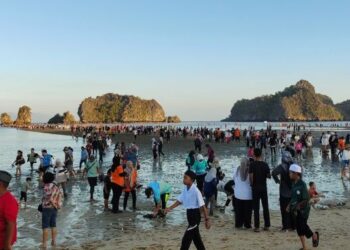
column 74, row 217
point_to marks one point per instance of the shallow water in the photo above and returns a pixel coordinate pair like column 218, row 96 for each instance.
column 79, row 221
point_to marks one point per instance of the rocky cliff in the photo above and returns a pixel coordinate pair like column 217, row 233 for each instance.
column 5, row 119
column 120, row 108
column 344, row 108
column 173, row 119
column 299, row 102
column 24, row 116
column 66, row 118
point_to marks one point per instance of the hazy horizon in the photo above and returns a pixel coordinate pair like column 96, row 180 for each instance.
column 195, row 58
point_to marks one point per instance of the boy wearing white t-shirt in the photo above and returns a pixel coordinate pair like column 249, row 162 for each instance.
column 191, row 198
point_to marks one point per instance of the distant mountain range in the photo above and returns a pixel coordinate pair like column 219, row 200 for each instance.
column 299, row 102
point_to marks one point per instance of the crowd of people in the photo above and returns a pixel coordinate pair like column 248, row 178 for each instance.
column 203, row 179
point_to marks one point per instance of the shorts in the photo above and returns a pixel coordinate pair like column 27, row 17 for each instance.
column 92, row 181
column 49, row 216
column 23, row 196
column 346, row 163
column 70, row 168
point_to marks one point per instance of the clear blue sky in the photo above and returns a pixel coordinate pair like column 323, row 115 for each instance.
column 195, row 57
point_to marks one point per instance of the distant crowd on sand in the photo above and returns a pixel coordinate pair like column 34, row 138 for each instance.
column 203, row 179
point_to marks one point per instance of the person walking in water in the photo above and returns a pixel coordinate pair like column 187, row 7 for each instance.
column 18, row 163
column 92, row 170
column 51, row 202
column 46, row 162
column 68, row 160
column 130, row 184
column 192, row 199
column 84, row 155
column 199, row 168
column 160, row 147
column 61, row 176
column 31, row 158
column 191, row 159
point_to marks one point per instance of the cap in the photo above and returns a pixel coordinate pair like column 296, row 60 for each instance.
column 295, row 168
column 5, row 176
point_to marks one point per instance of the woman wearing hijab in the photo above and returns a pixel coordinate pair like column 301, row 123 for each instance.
column 243, row 196
column 210, row 183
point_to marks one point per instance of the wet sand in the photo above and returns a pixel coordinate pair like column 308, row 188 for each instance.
column 332, row 224
column 83, row 225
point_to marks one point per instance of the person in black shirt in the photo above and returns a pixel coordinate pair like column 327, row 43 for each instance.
column 259, row 171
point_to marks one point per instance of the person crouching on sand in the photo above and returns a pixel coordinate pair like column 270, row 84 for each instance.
column 191, row 198
column 300, row 207
column 161, row 193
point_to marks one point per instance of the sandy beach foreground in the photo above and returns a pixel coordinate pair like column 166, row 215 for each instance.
column 333, row 226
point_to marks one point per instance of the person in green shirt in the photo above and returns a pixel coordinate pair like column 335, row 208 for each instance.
column 300, row 207
column 92, row 170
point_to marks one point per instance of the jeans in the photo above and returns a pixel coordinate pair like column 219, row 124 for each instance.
column 192, row 232
column 117, row 192
column 81, row 162
column 257, row 196
column 126, row 197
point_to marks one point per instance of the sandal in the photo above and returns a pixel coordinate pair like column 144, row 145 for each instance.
column 317, row 241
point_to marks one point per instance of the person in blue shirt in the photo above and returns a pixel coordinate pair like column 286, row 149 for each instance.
column 160, row 192
column 200, row 168
column 83, row 157
column 46, row 162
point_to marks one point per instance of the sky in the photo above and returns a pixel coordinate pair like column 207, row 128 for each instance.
column 195, row 57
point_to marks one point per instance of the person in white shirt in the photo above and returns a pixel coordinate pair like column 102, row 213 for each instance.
column 191, row 198
column 325, row 143
column 243, row 195
column 345, row 159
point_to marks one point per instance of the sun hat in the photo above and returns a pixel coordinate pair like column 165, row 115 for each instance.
column 295, row 168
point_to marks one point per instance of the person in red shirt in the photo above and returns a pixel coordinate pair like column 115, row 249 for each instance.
column 314, row 195
column 8, row 213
